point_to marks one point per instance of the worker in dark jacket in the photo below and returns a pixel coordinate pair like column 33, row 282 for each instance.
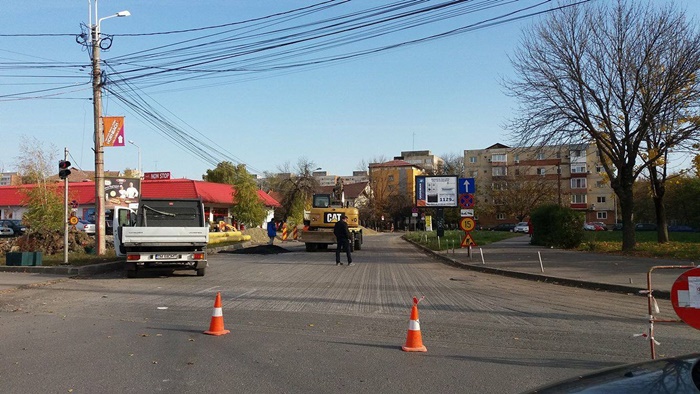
column 342, row 235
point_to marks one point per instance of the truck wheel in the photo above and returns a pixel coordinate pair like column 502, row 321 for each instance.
column 358, row 243
column 310, row 247
column 323, row 246
column 201, row 271
column 131, row 274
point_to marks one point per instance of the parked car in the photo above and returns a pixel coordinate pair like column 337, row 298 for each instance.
column 6, row 231
column 668, row 375
column 592, row 226
column 601, row 225
column 645, row 227
column 617, row 227
column 680, row 229
column 16, row 225
column 86, row 227
column 503, row 227
column 521, row 227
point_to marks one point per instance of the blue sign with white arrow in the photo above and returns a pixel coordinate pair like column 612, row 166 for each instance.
column 466, row 185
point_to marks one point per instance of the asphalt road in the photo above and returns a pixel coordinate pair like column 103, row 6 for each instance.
column 301, row 324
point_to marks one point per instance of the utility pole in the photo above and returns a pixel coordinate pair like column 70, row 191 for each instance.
column 99, row 152
column 98, row 135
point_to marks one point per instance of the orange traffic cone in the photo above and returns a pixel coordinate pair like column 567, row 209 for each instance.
column 216, row 327
column 414, row 342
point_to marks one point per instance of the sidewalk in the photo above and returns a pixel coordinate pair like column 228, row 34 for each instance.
column 517, row 258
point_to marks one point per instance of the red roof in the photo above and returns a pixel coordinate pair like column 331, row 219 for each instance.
column 84, row 192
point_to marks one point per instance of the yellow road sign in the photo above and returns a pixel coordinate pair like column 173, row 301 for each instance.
column 73, row 220
column 467, row 224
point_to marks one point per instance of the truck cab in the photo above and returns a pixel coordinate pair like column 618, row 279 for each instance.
column 165, row 234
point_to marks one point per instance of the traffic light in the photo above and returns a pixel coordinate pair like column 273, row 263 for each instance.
column 63, row 169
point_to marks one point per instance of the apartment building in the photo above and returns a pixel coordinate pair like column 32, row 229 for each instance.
column 572, row 173
column 424, row 159
column 10, row 179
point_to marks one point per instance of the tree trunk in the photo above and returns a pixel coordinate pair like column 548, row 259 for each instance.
column 626, row 206
column 658, row 189
column 661, row 225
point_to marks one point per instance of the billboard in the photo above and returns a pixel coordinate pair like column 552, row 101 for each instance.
column 121, row 191
column 436, row 191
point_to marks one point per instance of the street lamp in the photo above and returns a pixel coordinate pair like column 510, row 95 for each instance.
column 98, row 137
column 139, row 148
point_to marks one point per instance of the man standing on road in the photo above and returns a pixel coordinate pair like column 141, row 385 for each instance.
column 271, row 231
column 342, row 236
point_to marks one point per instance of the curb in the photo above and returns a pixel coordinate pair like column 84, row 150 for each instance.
column 85, row 270
column 659, row 294
column 92, row 269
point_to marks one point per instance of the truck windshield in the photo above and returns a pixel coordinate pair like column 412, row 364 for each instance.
column 171, row 216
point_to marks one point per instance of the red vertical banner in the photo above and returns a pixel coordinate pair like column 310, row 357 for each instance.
column 113, row 130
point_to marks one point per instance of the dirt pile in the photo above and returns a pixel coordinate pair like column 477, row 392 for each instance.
column 48, row 242
column 258, row 235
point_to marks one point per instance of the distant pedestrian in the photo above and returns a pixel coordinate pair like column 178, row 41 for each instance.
column 271, row 231
column 342, row 236
column 530, row 230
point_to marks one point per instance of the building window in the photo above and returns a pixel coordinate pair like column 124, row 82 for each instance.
column 578, row 198
column 540, row 156
column 599, row 169
column 472, row 159
column 602, row 215
column 600, row 184
column 517, row 171
column 475, row 173
column 501, row 216
column 601, row 199
column 516, row 158
column 577, row 153
column 499, row 171
column 498, row 158
column 578, row 183
column 578, row 168
column 499, row 186
column 541, row 171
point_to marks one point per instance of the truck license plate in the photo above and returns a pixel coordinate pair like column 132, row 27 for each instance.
column 167, row 256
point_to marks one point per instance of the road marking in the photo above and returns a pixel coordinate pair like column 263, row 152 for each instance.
column 209, row 290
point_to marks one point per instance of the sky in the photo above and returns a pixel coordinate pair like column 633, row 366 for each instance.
column 444, row 95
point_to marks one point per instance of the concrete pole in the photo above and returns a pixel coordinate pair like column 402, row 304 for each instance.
column 99, row 152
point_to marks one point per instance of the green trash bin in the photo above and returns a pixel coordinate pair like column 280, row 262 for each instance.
column 23, row 258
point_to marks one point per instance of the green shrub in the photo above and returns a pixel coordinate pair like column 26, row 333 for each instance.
column 557, row 226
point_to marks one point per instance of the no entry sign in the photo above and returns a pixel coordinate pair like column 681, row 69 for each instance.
column 685, row 297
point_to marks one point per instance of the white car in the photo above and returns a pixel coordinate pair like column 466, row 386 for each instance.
column 6, row 231
column 521, row 227
column 86, row 227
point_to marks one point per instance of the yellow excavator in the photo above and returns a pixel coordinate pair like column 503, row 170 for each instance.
column 326, row 210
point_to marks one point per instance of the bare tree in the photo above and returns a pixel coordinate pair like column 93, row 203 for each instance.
column 606, row 74
column 453, row 164
column 36, row 161
column 518, row 193
column 296, row 186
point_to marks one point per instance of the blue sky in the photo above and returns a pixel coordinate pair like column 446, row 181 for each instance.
column 443, row 95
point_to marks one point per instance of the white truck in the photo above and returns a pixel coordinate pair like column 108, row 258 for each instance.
column 166, row 234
